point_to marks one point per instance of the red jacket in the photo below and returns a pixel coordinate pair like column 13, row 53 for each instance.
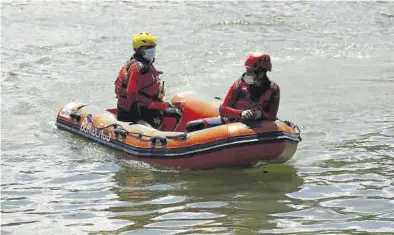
column 136, row 83
column 239, row 98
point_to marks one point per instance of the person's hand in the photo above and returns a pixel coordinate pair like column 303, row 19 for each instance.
column 257, row 114
column 247, row 114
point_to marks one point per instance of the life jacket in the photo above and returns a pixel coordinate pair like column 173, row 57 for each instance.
column 244, row 100
column 146, row 84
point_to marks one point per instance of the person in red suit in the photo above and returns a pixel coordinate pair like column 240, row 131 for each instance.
column 137, row 87
column 252, row 97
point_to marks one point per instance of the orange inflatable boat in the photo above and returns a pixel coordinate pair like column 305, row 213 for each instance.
column 228, row 145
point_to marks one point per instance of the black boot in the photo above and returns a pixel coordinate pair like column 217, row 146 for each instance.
column 195, row 126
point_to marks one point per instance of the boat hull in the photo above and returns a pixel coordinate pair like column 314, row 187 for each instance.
column 229, row 145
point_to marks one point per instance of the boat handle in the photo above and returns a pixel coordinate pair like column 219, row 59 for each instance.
column 75, row 116
column 158, row 140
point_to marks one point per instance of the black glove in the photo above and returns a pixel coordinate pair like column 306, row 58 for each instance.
column 257, row 114
column 247, row 115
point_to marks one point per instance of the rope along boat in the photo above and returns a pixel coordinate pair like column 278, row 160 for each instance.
column 228, row 145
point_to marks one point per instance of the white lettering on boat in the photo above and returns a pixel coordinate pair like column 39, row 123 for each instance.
column 88, row 128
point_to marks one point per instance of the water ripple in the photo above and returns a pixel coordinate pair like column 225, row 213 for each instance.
column 333, row 61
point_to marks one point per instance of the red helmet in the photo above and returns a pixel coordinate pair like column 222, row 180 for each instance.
column 258, row 61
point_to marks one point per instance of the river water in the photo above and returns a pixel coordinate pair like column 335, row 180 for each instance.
column 334, row 62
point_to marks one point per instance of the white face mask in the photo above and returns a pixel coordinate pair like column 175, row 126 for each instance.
column 249, row 79
column 149, row 54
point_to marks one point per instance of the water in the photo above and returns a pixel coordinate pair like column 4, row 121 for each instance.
column 334, row 62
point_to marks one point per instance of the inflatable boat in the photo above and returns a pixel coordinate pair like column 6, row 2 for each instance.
column 236, row 144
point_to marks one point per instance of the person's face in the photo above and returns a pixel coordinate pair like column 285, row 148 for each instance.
column 148, row 52
column 257, row 74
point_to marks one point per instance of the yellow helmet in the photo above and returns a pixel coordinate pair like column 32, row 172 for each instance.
column 144, row 39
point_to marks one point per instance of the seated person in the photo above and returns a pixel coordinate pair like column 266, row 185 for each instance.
column 252, row 97
column 137, row 86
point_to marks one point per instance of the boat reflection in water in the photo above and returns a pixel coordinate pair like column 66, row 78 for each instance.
column 223, row 200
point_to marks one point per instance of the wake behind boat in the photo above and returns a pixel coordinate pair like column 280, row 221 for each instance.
column 228, row 145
